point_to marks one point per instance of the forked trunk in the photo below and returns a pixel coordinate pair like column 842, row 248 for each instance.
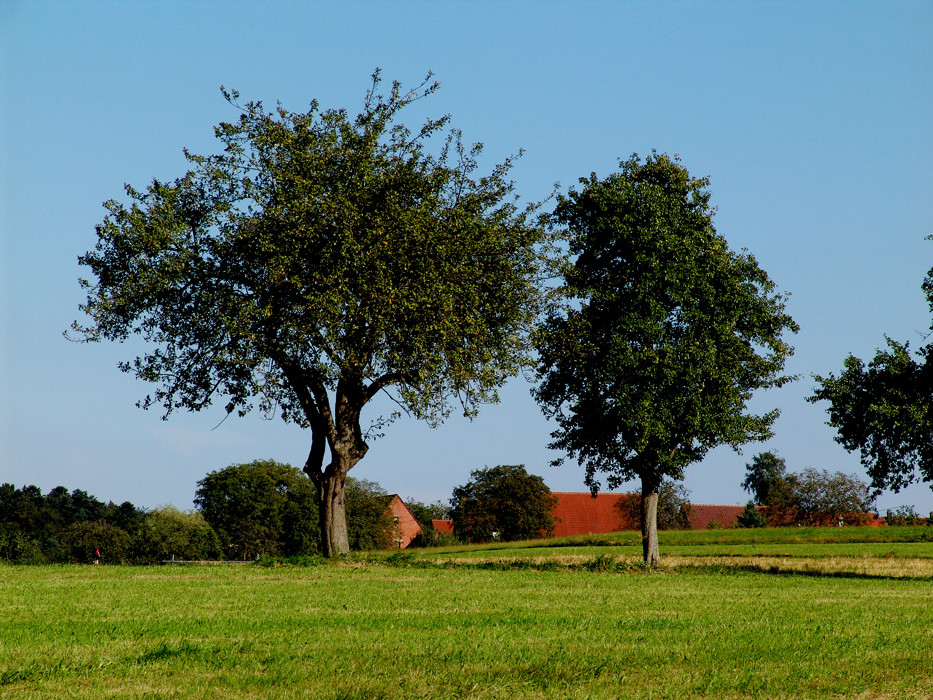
column 649, row 519
column 332, row 512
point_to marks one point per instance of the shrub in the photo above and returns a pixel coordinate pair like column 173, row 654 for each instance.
column 83, row 540
column 168, row 532
column 18, row 548
column 751, row 517
column 903, row 515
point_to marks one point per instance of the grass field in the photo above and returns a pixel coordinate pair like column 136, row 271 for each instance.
column 581, row 620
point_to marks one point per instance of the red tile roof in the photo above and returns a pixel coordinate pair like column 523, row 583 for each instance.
column 582, row 514
column 443, row 526
column 701, row 515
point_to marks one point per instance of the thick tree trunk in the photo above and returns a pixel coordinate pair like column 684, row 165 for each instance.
column 649, row 519
column 340, row 431
column 332, row 513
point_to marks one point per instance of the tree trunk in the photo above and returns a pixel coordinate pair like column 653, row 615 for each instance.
column 332, row 513
column 649, row 519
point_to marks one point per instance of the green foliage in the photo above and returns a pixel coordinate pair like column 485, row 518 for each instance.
column 824, row 492
column 18, row 548
column 262, row 508
column 52, row 527
column 425, row 513
column 666, row 333
column 503, row 503
column 812, row 496
column 168, row 532
column 369, row 519
column 319, row 260
column 751, row 517
column 904, row 515
column 673, row 508
column 767, row 480
column 885, row 410
column 83, row 540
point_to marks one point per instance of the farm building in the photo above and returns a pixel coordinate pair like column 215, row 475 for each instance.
column 583, row 514
column 406, row 525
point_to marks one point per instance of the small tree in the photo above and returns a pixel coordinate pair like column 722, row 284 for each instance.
column 830, row 494
column 318, row 261
column 751, row 517
column 770, row 484
column 505, row 503
column 665, row 336
column 262, row 508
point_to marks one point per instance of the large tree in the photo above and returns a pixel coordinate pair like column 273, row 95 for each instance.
column 316, row 262
column 885, row 410
column 665, row 335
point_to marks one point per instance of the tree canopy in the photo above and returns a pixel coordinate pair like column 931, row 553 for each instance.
column 832, row 493
column 505, row 503
column 885, row 410
column 769, row 483
column 263, row 508
column 314, row 263
column 665, row 335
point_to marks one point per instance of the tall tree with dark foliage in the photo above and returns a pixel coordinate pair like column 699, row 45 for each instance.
column 665, row 336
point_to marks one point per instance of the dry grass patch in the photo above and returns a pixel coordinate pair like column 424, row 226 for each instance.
column 829, row 566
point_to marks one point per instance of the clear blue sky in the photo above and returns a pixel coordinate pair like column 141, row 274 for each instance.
column 812, row 119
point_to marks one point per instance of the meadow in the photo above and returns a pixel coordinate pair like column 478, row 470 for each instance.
column 729, row 614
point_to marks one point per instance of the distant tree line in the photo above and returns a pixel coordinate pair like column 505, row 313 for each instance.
column 244, row 511
column 269, row 509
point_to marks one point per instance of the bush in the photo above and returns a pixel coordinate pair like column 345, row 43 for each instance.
column 83, row 541
column 18, row 548
column 425, row 513
column 168, row 532
column 432, row 538
column 903, row 515
column 751, row 517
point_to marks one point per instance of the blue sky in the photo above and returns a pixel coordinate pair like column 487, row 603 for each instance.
column 814, row 121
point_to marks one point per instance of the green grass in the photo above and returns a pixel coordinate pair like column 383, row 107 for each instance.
column 410, row 627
